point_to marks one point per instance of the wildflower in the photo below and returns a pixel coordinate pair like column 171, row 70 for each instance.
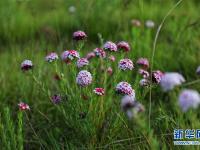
column 127, row 102
column 84, row 78
column 99, row 91
column 100, row 52
column 112, row 58
column 56, row 99
column 110, row 46
column 109, row 71
column 136, row 23
column 124, row 46
column 189, row 99
column 82, row 62
column 170, row 80
column 90, row 55
column 156, row 76
column 26, row 65
column 143, row 62
column 198, row 70
column 51, row 57
column 149, row 24
column 124, row 88
column 144, row 73
column 72, row 9
column 79, row 35
column 69, row 55
column 23, row 106
column 125, row 64
column 144, row 82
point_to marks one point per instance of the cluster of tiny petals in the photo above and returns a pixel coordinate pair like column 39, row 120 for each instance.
column 156, row 76
column 84, row 78
column 144, row 73
column 127, row 102
column 143, row 62
column 125, row 64
column 136, row 23
column 79, row 35
column 124, row 46
column 56, row 99
column 82, row 62
column 26, row 65
column 170, row 80
column 149, row 24
column 99, row 91
column 189, row 99
column 23, row 106
column 110, row 46
column 51, row 57
column 90, row 55
column 100, row 52
column 144, row 82
column 124, row 88
column 111, row 58
column 109, row 70
column 70, row 55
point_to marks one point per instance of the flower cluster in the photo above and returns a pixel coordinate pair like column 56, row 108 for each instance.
column 156, row 76
column 79, row 35
column 26, row 65
column 82, row 62
column 84, row 78
column 124, row 46
column 100, row 52
column 99, row 91
column 56, row 99
column 69, row 55
column 143, row 62
column 51, row 57
column 125, row 64
column 23, row 106
column 110, row 46
column 125, row 88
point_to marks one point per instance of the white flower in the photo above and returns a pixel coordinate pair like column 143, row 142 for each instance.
column 170, row 80
column 189, row 99
column 72, row 9
column 149, row 24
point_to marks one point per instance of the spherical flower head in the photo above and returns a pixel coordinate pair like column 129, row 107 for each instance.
column 82, row 62
column 23, row 106
column 79, row 35
column 170, row 80
column 125, row 64
column 198, row 70
column 124, row 88
column 110, row 46
column 150, row 24
column 56, row 99
column 109, row 70
column 72, row 9
column 90, row 55
column 144, row 73
column 136, row 23
column 99, row 91
column 69, row 55
column 100, row 52
column 127, row 102
column 189, row 99
column 26, row 65
column 112, row 58
column 144, row 82
column 143, row 62
column 156, row 76
column 84, row 78
column 123, row 46
column 51, row 57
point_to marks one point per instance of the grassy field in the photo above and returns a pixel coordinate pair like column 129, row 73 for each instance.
column 30, row 29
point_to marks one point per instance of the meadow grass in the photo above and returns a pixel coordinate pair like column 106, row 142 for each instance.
column 30, row 29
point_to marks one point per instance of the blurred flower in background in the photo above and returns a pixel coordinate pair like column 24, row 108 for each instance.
column 99, row 91
column 135, row 22
column 150, row 24
column 23, row 106
column 143, row 62
column 100, row 52
column 110, row 46
column 72, row 9
column 79, row 35
column 82, row 62
column 123, row 46
column 198, row 70
column 125, row 64
column 51, row 57
column 56, row 99
column 156, row 76
column 26, row 65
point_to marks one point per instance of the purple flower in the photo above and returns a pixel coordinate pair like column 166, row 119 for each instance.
column 90, row 55
column 189, row 99
column 99, row 91
column 56, row 99
column 82, row 62
column 110, row 46
column 112, row 58
column 69, row 55
column 23, row 106
column 125, row 88
column 26, row 65
column 170, row 80
column 51, row 57
column 124, row 46
column 100, row 52
column 144, row 82
column 156, row 76
column 198, row 70
column 79, row 35
column 109, row 70
column 144, row 73
column 143, row 62
column 84, row 78
column 125, row 64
